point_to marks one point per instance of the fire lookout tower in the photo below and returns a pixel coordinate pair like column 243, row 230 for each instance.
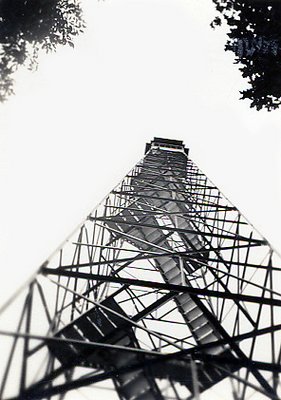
column 164, row 292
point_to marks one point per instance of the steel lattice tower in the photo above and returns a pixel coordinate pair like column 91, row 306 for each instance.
column 163, row 292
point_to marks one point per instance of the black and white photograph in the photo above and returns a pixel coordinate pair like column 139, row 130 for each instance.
column 140, row 203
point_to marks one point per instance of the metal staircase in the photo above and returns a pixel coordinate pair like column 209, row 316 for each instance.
column 164, row 292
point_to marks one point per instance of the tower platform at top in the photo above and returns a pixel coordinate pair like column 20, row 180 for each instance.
column 170, row 144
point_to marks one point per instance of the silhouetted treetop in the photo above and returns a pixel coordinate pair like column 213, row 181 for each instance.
column 255, row 39
column 26, row 26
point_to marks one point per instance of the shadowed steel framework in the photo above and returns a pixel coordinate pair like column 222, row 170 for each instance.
column 164, row 292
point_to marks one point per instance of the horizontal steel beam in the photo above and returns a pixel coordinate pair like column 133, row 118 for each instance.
column 89, row 380
column 170, row 229
column 163, row 286
column 187, row 202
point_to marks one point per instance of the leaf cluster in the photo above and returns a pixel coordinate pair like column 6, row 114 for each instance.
column 26, row 26
column 255, row 38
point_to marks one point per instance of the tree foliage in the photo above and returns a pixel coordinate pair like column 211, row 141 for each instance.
column 255, row 38
column 26, row 26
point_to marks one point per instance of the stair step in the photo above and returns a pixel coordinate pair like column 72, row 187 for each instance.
column 101, row 321
column 126, row 359
column 215, row 350
column 148, row 395
column 167, row 265
column 124, row 341
column 172, row 273
column 152, row 235
column 209, row 376
column 136, row 232
column 198, row 322
column 203, row 330
column 72, row 333
column 135, row 386
column 210, row 337
column 176, row 280
column 111, row 303
column 201, row 319
column 89, row 330
column 181, row 223
column 171, row 207
column 188, row 306
column 128, row 216
column 193, row 314
column 125, row 378
column 65, row 353
column 204, row 378
column 184, row 298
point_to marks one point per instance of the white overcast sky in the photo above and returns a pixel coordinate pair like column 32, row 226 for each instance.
column 143, row 68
